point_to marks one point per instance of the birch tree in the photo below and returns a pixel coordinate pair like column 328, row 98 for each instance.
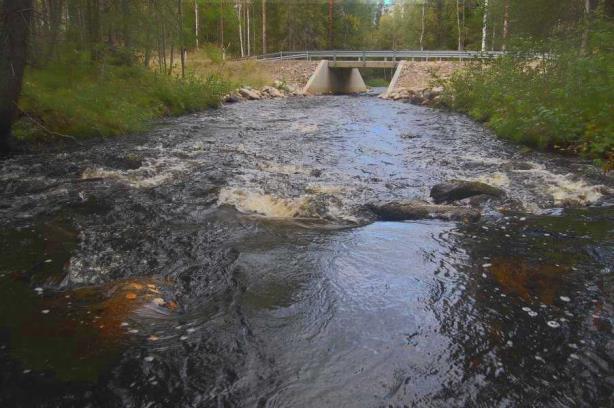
column 458, row 24
column 422, row 25
column 485, row 25
column 196, row 23
column 506, row 23
column 239, row 16
column 264, row 26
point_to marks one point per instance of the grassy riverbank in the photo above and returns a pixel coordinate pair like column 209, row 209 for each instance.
column 563, row 103
column 81, row 100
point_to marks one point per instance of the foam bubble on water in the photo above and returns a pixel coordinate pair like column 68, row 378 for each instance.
column 497, row 179
column 261, row 203
column 566, row 188
column 565, row 298
column 151, row 174
column 553, row 324
column 305, row 206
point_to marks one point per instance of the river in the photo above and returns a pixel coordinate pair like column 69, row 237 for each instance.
column 227, row 259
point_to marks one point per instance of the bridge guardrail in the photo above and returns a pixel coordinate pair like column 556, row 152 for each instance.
column 363, row 55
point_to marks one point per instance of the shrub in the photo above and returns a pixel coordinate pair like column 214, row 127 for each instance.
column 562, row 102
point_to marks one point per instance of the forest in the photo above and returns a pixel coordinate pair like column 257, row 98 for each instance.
column 87, row 53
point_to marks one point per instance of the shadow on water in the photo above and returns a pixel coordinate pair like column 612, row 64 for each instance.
column 224, row 260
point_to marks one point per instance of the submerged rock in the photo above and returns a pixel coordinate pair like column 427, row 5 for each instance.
column 459, row 189
column 416, row 210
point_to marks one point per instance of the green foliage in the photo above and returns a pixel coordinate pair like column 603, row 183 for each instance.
column 564, row 102
column 83, row 100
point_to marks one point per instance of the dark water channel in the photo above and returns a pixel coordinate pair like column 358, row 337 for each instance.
column 226, row 259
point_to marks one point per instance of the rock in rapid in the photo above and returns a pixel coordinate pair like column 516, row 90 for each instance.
column 415, row 210
column 460, row 189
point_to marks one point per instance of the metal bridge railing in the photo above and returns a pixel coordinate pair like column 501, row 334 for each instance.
column 393, row 55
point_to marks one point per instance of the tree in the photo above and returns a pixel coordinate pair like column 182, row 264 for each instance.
column 196, row 33
column 331, row 4
column 264, row 26
column 506, row 23
column 458, row 24
column 587, row 27
column 15, row 21
column 484, row 25
column 422, row 26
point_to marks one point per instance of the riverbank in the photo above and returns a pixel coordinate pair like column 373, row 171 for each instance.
column 561, row 104
column 82, row 100
column 74, row 100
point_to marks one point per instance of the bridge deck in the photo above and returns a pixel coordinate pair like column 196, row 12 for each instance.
column 362, row 64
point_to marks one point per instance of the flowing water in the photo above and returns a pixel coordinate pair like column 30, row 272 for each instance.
column 227, row 259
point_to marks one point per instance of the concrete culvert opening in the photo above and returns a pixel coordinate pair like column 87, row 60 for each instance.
column 346, row 77
column 377, row 77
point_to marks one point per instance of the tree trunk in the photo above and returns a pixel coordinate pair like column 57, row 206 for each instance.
column 587, row 27
column 422, row 25
column 264, row 26
column 196, row 23
column 247, row 23
column 181, row 39
column 458, row 25
column 484, row 25
column 492, row 43
column 331, row 4
column 240, row 28
column 15, row 21
column 506, row 24
column 222, row 24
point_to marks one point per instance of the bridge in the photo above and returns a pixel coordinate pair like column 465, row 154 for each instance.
column 339, row 71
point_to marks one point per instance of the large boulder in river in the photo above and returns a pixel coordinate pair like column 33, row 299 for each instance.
column 459, row 189
column 417, row 210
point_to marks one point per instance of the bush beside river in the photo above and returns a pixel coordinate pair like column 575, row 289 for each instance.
column 563, row 101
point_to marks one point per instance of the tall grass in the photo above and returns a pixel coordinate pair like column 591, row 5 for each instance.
column 79, row 99
column 564, row 102
column 208, row 61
